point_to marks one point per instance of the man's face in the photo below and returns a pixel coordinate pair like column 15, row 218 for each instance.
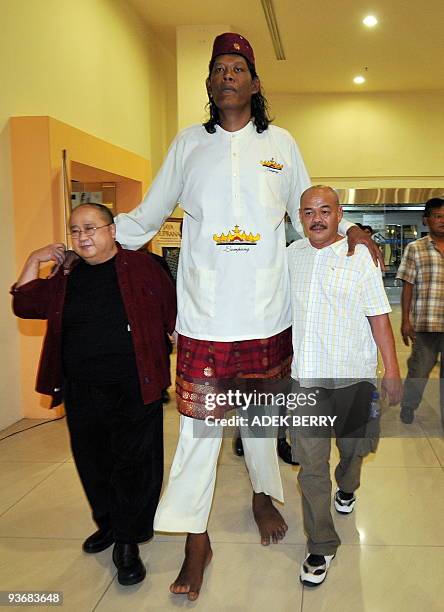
column 101, row 245
column 320, row 215
column 230, row 83
column 436, row 222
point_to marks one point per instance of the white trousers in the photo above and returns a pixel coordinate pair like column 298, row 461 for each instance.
column 186, row 503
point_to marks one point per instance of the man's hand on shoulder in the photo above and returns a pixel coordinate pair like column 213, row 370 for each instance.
column 50, row 252
column 357, row 236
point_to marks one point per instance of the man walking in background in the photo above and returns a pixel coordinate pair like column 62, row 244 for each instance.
column 422, row 302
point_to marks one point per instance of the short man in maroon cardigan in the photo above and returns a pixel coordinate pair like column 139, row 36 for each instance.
column 104, row 354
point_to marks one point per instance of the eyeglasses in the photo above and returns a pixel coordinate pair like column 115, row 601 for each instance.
column 89, row 231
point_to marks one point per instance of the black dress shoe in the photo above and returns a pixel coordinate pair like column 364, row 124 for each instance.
column 130, row 569
column 98, row 541
column 284, row 451
column 238, row 447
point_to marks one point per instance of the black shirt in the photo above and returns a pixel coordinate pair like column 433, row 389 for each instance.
column 96, row 339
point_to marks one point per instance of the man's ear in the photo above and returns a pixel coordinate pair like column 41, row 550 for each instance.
column 255, row 85
column 301, row 219
column 113, row 230
column 208, row 85
column 340, row 213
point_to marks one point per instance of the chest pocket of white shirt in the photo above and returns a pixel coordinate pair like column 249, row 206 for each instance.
column 199, row 299
column 272, row 194
column 341, row 284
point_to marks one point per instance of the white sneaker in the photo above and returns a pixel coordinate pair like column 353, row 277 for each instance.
column 314, row 569
column 344, row 506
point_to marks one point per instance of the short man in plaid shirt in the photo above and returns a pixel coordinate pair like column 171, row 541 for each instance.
column 340, row 318
column 422, row 273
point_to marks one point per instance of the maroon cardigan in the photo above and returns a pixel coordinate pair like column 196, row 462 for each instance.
column 150, row 303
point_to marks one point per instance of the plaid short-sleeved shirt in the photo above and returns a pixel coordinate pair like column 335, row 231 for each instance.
column 422, row 265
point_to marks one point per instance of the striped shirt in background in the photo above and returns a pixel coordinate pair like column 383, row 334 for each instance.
column 331, row 297
column 422, row 266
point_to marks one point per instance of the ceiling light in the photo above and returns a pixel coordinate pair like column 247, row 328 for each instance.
column 370, row 21
column 359, row 80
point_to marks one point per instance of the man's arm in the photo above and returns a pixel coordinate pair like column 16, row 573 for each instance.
column 407, row 272
column 300, row 181
column 376, row 308
column 355, row 236
column 31, row 269
column 407, row 330
column 32, row 295
column 136, row 228
column 383, row 335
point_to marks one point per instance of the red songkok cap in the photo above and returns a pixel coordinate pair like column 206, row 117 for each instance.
column 232, row 43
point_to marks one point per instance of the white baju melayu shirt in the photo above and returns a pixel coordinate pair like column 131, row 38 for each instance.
column 331, row 296
column 232, row 281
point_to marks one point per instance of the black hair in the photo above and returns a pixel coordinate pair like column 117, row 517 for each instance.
column 259, row 106
column 104, row 211
column 431, row 205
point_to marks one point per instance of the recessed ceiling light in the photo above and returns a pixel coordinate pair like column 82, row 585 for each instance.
column 370, row 21
column 359, row 80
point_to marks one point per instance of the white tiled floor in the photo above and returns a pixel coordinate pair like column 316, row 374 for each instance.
column 391, row 558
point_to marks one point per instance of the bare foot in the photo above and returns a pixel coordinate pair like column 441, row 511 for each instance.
column 198, row 554
column 270, row 522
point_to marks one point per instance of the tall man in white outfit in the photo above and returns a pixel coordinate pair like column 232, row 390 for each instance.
column 235, row 177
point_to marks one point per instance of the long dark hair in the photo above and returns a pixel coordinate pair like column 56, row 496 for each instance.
column 259, row 106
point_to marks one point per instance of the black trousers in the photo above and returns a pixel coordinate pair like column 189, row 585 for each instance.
column 117, row 444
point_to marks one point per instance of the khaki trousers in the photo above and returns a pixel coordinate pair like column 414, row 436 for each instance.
column 311, row 448
column 313, row 455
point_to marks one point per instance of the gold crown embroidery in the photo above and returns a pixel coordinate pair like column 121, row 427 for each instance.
column 236, row 46
column 272, row 164
column 236, row 236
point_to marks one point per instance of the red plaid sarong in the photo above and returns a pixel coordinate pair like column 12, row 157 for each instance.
column 202, row 363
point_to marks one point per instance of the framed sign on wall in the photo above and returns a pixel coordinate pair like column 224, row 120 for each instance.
column 168, row 237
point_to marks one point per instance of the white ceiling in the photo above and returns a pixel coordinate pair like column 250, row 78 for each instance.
column 325, row 43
